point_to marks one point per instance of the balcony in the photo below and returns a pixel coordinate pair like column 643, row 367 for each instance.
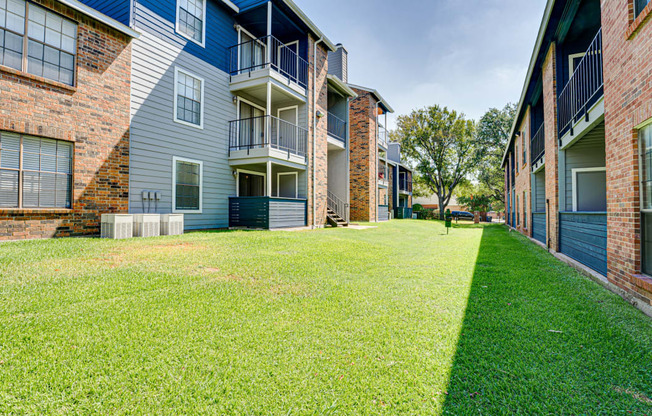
column 255, row 62
column 538, row 146
column 405, row 186
column 267, row 137
column 337, row 128
column 382, row 136
column 584, row 88
column 267, row 213
column 383, row 176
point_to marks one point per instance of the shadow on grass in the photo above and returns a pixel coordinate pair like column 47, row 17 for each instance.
column 538, row 338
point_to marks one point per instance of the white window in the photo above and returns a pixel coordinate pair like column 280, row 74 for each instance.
column 187, row 185
column 590, row 189
column 191, row 20
column 50, row 41
column 188, row 99
column 35, row 172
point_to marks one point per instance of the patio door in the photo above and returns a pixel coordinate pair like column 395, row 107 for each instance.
column 286, row 132
column 252, row 53
column 287, row 185
column 252, row 126
column 251, row 184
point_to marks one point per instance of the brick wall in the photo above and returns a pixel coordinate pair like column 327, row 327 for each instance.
column 523, row 175
column 321, row 141
column 364, row 156
column 94, row 115
column 628, row 103
column 551, row 144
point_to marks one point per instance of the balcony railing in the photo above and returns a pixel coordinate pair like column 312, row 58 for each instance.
column 583, row 88
column 338, row 206
column 538, row 145
column 267, row 132
column 252, row 55
column 405, row 185
column 382, row 136
column 337, row 127
column 382, row 172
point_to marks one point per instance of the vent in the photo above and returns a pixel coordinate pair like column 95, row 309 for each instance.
column 117, row 226
column 172, row 224
column 147, row 225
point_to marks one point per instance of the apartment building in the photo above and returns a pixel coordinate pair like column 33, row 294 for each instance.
column 64, row 118
column 400, row 183
column 577, row 167
column 236, row 119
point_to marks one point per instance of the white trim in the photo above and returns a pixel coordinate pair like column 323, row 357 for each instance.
column 178, row 31
column 278, row 51
column 292, row 107
column 571, row 58
column 250, row 172
column 251, row 103
column 296, row 186
column 177, row 70
column 176, row 159
column 231, row 5
column 643, row 124
column 574, row 173
column 100, row 17
column 241, row 29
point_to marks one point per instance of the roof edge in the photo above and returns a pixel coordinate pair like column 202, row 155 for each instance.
column 376, row 93
column 535, row 54
column 338, row 83
column 231, row 5
column 91, row 12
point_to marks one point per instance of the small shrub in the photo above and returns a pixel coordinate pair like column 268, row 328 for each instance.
column 417, row 208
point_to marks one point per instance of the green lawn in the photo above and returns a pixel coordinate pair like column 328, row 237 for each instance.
column 401, row 319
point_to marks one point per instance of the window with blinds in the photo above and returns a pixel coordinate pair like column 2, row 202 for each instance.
column 49, row 39
column 35, row 172
column 189, row 97
column 191, row 15
column 187, row 185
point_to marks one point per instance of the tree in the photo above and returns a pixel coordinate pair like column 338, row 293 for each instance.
column 442, row 145
column 492, row 134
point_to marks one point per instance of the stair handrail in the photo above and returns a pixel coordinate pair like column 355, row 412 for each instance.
column 337, row 205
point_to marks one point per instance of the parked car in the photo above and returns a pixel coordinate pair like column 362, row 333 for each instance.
column 463, row 215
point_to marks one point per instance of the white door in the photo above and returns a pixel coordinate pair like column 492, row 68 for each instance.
column 287, row 185
column 252, row 126
column 287, row 129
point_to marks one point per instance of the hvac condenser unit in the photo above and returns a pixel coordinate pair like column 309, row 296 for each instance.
column 172, row 224
column 147, row 225
column 117, row 226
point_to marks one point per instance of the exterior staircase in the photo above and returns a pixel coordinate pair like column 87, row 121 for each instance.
column 336, row 212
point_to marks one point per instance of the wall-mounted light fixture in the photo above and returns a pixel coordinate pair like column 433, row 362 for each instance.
column 320, row 114
column 235, row 173
column 517, row 134
column 235, row 99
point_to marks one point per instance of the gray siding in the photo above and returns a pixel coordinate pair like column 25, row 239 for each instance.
column 587, row 153
column 285, row 214
column 540, row 191
column 583, row 237
column 156, row 138
column 383, row 213
column 338, row 64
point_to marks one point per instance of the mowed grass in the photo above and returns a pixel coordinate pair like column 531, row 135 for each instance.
column 400, row 319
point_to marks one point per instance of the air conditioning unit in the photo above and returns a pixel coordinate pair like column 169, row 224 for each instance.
column 117, row 226
column 147, row 225
column 172, row 224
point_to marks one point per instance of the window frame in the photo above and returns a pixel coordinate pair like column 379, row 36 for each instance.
column 176, row 159
column 25, row 46
column 642, row 210
column 637, row 12
column 250, row 172
column 177, row 26
column 574, row 173
column 21, row 175
column 296, row 186
column 177, row 71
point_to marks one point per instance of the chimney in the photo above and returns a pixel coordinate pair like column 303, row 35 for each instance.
column 338, row 63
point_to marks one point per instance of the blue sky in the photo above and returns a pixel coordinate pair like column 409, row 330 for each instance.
column 467, row 55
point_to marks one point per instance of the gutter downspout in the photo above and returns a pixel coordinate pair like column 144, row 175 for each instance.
column 314, row 131
column 377, row 162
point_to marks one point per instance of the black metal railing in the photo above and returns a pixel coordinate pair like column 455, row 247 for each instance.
column 337, row 127
column 267, row 131
column 338, row 206
column 583, row 88
column 538, row 145
column 405, row 185
column 253, row 55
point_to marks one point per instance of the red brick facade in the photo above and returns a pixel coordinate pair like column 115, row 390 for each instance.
column 627, row 47
column 94, row 115
column 522, row 183
column 551, row 146
column 364, row 156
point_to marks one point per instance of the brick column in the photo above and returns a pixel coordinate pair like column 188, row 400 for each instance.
column 551, row 145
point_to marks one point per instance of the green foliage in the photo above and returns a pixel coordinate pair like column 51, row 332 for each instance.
column 493, row 134
column 442, row 145
column 417, row 207
column 474, row 203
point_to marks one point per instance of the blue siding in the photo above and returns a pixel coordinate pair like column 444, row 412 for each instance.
column 115, row 9
column 159, row 18
column 539, row 227
column 247, row 4
column 583, row 237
